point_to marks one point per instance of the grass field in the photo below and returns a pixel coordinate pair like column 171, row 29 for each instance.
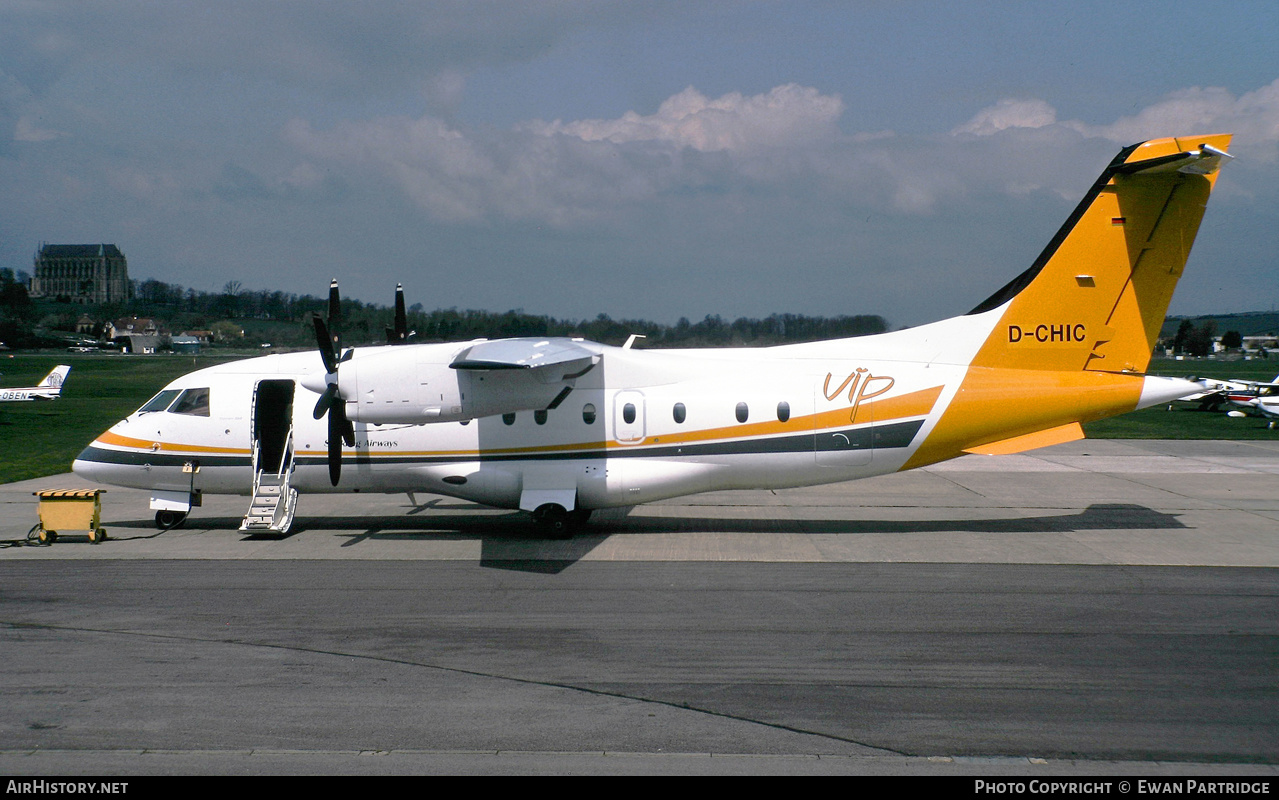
column 1187, row 422
column 42, row 438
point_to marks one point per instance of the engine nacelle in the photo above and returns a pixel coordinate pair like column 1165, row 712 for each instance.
column 415, row 385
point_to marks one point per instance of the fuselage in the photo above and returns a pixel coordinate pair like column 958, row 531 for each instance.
column 25, row 393
column 561, row 425
column 641, row 425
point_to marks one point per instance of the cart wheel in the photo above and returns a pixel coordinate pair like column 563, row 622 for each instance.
column 97, row 535
column 48, row 537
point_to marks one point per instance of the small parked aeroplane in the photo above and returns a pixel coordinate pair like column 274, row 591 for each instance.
column 561, row 426
column 1212, row 394
column 50, row 388
column 1257, row 398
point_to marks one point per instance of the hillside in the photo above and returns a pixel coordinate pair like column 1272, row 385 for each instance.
column 1252, row 323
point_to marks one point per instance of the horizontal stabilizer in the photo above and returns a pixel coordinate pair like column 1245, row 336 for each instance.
column 1204, row 161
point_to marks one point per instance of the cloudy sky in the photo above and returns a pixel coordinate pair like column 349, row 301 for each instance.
column 640, row 159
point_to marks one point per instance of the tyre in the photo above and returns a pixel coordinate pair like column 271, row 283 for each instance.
column 168, row 519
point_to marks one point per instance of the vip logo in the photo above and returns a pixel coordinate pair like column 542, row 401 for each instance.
column 859, row 383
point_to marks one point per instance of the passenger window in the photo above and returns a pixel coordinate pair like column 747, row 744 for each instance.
column 539, row 416
column 588, row 413
column 160, row 402
column 742, row 412
column 680, row 413
column 783, row 411
column 194, row 402
column 509, row 419
column 628, row 413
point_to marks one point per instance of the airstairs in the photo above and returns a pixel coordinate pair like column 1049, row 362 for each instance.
column 274, row 499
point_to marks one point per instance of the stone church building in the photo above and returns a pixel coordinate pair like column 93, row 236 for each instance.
column 84, row 273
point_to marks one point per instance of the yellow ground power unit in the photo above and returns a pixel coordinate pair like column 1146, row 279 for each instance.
column 69, row 510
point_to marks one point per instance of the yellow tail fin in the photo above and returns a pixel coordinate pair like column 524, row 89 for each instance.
column 1095, row 299
column 1076, row 327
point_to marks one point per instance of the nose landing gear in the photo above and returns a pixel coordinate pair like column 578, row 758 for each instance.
column 168, row 519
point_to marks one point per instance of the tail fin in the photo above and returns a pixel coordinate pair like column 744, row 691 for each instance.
column 1095, row 299
column 55, row 377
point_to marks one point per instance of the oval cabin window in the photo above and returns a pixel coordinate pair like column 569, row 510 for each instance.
column 783, row 411
column 588, row 413
column 628, row 413
column 743, row 413
column 680, row 413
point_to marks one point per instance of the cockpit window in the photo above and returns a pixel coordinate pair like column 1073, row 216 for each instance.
column 194, row 402
column 160, row 402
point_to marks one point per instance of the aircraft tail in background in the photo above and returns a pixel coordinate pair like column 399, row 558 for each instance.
column 55, row 378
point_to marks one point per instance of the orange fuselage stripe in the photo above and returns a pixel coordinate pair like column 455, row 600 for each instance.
column 913, row 404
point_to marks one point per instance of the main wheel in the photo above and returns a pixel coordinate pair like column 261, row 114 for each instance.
column 98, row 535
column 557, row 522
column 554, row 520
column 48, row 537
column 167, row 519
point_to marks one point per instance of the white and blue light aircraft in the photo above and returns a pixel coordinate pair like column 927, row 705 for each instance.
column 49, row 388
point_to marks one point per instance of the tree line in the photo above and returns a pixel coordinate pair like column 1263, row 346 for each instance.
column 180, row 308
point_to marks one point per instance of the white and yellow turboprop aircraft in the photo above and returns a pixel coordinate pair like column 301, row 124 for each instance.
column 50, row 388
column 560, row 427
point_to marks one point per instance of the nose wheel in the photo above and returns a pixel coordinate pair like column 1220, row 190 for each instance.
column 167, row 519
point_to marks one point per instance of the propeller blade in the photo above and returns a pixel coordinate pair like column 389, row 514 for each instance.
column 400, row 332
column 335, row 317
column 325, row 402
column 335, row 446
column 326, row 346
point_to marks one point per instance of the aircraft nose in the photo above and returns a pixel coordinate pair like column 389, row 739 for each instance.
column 91, row 466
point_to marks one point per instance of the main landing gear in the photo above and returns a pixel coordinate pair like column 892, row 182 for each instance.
column 557, row 522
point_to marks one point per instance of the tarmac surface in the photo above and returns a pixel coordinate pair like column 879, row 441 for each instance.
column 1096, row 608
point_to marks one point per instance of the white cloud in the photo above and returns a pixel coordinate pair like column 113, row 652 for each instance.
column 786, row 116
column 26, row 130
column 1009, row 114
column 567, row 173
column 1253, row 117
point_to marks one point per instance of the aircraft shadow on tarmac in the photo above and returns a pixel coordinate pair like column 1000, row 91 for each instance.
column 511, row 540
